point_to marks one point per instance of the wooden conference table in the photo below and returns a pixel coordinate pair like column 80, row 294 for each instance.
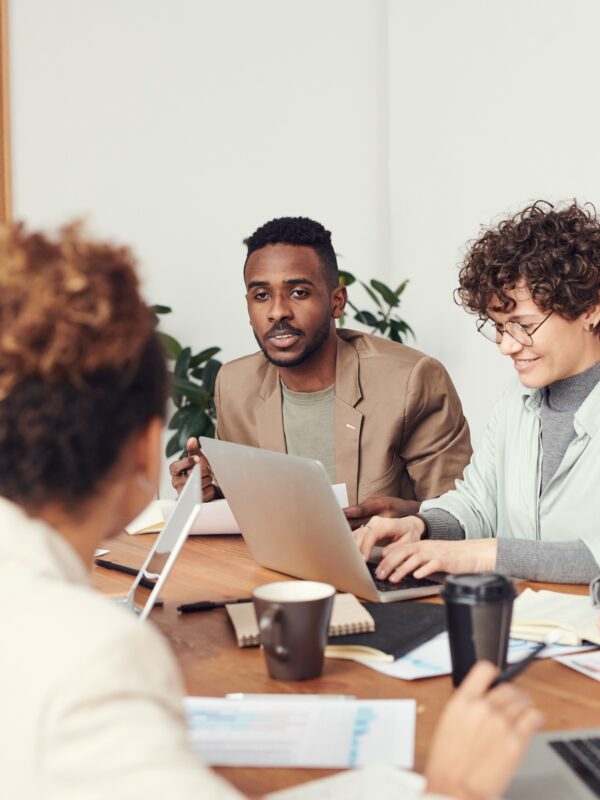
column 220, row 567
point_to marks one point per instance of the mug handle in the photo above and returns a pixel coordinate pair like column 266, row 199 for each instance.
column 267, row 625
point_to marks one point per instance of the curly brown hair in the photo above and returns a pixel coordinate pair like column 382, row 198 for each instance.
column 555, row 251
column 81, row 366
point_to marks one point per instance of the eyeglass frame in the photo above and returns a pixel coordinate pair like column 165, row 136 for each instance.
column 482, row 321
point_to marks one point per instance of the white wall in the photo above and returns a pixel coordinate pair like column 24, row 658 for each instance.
column 180, row 127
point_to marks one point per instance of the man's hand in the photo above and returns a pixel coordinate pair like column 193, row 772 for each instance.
column 421, row 559
column 379, row 507
column 480, row 738
column 407, row 529
column 179, row 471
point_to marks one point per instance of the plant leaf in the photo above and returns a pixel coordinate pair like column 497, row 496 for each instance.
column 195, row 424
column 372, row 295
column 172, row 446
column 211, row 369
column 385, row 291
column 194, row 393
column 200, row 358
column 210, row 431
column 346, row 278
column 401, row 288
column 183, row 362
column 366, row 318
column 170, row 345
column 180, row 416
column 161, row 309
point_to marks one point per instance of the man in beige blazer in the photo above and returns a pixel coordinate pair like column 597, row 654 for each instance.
column 383, row 418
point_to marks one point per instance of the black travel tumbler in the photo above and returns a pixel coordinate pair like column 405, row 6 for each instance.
column 478, row 611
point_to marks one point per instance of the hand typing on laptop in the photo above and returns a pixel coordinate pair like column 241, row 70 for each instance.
column 407, row 554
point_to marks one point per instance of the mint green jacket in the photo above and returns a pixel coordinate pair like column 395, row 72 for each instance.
column 500, row 492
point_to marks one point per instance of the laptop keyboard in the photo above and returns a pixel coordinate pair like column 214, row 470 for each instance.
column 583, row 757
column 406, row 583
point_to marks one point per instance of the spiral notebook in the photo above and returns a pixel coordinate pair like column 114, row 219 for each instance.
column 348, row 616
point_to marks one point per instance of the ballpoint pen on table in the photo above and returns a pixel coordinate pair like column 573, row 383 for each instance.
column 144, row 582
column 208, row 605
column 515, row 669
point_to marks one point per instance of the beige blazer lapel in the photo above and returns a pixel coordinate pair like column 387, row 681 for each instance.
column 348, row 421
column 269, row 413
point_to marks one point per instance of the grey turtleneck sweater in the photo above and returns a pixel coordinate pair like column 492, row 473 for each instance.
column 559, row 562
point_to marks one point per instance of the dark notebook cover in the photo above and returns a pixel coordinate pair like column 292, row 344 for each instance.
column 399, row 627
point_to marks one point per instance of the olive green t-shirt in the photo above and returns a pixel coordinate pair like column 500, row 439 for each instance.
column 309, row 425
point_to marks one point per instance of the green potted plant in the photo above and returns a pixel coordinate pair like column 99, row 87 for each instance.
column 192, row 379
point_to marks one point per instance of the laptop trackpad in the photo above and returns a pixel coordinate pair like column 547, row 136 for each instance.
column 548, row 787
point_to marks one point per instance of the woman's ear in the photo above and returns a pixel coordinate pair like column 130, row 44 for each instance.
column 591, row 317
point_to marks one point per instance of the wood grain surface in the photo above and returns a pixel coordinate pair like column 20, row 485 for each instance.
column 220, row 568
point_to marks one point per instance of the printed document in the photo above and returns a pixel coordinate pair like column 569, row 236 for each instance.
column 311, row 732
column 433, row 658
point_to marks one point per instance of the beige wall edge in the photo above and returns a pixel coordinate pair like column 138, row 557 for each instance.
column 5, row 156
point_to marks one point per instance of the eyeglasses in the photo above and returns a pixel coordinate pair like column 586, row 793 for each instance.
column 523, row 334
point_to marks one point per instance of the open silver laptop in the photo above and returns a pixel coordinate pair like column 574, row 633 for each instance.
column 561, row 765
column 165, row 550
column 292, row 522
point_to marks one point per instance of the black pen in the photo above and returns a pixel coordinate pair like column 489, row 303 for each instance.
column 185, row 454
column 182, row 472
column 515, row 669
column 208, row 605
column 144, row 582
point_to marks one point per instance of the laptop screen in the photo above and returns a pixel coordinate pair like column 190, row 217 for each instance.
column 169, row 542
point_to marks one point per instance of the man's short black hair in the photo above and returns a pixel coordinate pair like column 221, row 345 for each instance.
column 300, row 231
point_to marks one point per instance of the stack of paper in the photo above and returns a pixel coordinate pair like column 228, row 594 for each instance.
column 586, row 663
column 535, row 614
column 214, row 518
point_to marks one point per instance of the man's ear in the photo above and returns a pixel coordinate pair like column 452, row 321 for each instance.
column 339, row 298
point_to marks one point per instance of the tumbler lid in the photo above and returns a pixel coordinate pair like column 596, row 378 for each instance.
column 478, row 587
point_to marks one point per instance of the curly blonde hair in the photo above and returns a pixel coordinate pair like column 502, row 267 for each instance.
column 68, row 306
column 81, row 366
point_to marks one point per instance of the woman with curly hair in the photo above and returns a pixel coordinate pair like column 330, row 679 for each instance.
column 529, row 503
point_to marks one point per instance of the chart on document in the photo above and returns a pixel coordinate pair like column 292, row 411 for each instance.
column 312, row 732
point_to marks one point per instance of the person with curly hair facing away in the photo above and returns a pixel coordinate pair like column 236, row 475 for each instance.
column 91, row 696
column 529, row 504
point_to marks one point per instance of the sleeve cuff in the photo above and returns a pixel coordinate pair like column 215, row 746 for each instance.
column 441, row 524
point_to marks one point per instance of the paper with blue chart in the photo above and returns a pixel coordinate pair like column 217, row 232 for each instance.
column 311, row 732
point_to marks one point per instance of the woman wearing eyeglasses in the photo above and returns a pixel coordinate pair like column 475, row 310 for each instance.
column 529, row 504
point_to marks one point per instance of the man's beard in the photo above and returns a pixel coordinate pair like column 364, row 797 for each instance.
column 316, row 342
